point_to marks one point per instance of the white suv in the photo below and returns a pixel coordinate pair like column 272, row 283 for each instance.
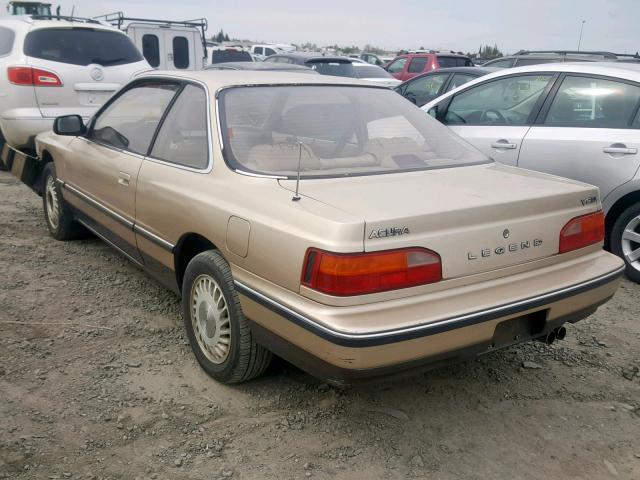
column 52, row 67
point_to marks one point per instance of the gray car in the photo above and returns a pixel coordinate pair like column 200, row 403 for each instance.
column 535, row 57
column 574, row 120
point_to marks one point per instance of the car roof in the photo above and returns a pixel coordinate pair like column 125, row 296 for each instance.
column 26, row 22
column 218, row 79
column 628, row 71
column 307, row 56
column 259, row 66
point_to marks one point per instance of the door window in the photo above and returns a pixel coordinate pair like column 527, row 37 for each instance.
column 397, row 65
column 507, row 101
column 182, row 139
column 427, row 86
column 181, row 52
column 258, row 50
column 447, row 62
column 460, row 79
column 593, row 102
column 269, row 51
column 130, row 121
column 151, row 49
column 418, row 64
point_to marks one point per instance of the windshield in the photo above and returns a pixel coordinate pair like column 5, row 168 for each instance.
column 336, row 68
column 81, row 46
column 371, row 71
column 333, row 131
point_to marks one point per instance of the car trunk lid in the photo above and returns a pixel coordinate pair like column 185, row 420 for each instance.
column 477, row 219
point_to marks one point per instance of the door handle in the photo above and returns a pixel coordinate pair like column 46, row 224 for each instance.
column 504, row 144
column 124, row 179
column 620, row 150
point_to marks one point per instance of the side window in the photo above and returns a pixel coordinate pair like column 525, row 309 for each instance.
column 130, row 121
column 448, row 62
column 258, row 50
column 427, row 86
column 593, row 102
column 397, row 65
column 507, row 101
column 181, row 52
column 151, row 49
column 460, row 79
column 636, row 122
column 7, row 36
column 269, row 51
column 182, row 139
column 417, row 64
column 506, row 63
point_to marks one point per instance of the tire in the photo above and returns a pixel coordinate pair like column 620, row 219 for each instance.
column 623, row 241
column 217, row 329
column 57, row 214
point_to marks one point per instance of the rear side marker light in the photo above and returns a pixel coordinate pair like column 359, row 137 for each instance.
column 33, row 76
column 343, row 274
column 582, row 231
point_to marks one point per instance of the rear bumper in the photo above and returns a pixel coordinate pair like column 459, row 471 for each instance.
column 20, row 131
column 521, row 310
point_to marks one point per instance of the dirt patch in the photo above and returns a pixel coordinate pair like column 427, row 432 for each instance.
column 97, row 381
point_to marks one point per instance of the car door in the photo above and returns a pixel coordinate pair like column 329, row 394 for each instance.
column 425, row 88
column 586, row 131
column 172, row 179
column 101, row 169
column 495, row 115
column 416, row 66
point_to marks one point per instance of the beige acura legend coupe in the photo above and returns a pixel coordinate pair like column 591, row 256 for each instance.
column 326, row 220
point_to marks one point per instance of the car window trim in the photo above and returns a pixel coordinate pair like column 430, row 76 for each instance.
column 207, row 168
column 542, row 116
column 533, row 115
column 94, row 118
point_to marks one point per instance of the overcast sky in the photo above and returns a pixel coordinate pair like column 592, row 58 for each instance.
column 453, row 24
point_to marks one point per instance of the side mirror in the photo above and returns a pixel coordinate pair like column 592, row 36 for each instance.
column 71, row 125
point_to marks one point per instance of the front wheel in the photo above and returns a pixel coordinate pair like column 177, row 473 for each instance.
column 625, row 240
column 217, row 329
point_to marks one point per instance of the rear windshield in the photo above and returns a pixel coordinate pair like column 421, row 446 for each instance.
column 447, row 62
column 371, row 71
column 7, row 36
column 333, row 131
column 81, row 46
column 219, row 56
column 335, row 68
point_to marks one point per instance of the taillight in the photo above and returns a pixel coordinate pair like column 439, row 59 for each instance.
column 343, row 274
column 33, row 76
column 582, row 231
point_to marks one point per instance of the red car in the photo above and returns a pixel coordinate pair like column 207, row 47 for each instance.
column 407, row 66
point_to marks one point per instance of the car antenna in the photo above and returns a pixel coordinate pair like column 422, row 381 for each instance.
column 296, row 197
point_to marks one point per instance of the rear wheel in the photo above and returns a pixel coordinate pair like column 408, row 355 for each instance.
column 217, row 329
column 57, row 213
column 625, row 240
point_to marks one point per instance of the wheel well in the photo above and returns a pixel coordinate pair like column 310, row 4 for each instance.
column 190, row 245
column 614, row 212
column 38, row 185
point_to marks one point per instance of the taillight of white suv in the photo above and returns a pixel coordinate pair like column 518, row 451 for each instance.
column 33, row 76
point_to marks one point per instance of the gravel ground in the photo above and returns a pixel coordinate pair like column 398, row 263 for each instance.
column 97, row 381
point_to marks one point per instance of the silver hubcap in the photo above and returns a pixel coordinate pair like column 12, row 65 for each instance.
column 53, row 210
column 631, row 243
column 210, row 319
